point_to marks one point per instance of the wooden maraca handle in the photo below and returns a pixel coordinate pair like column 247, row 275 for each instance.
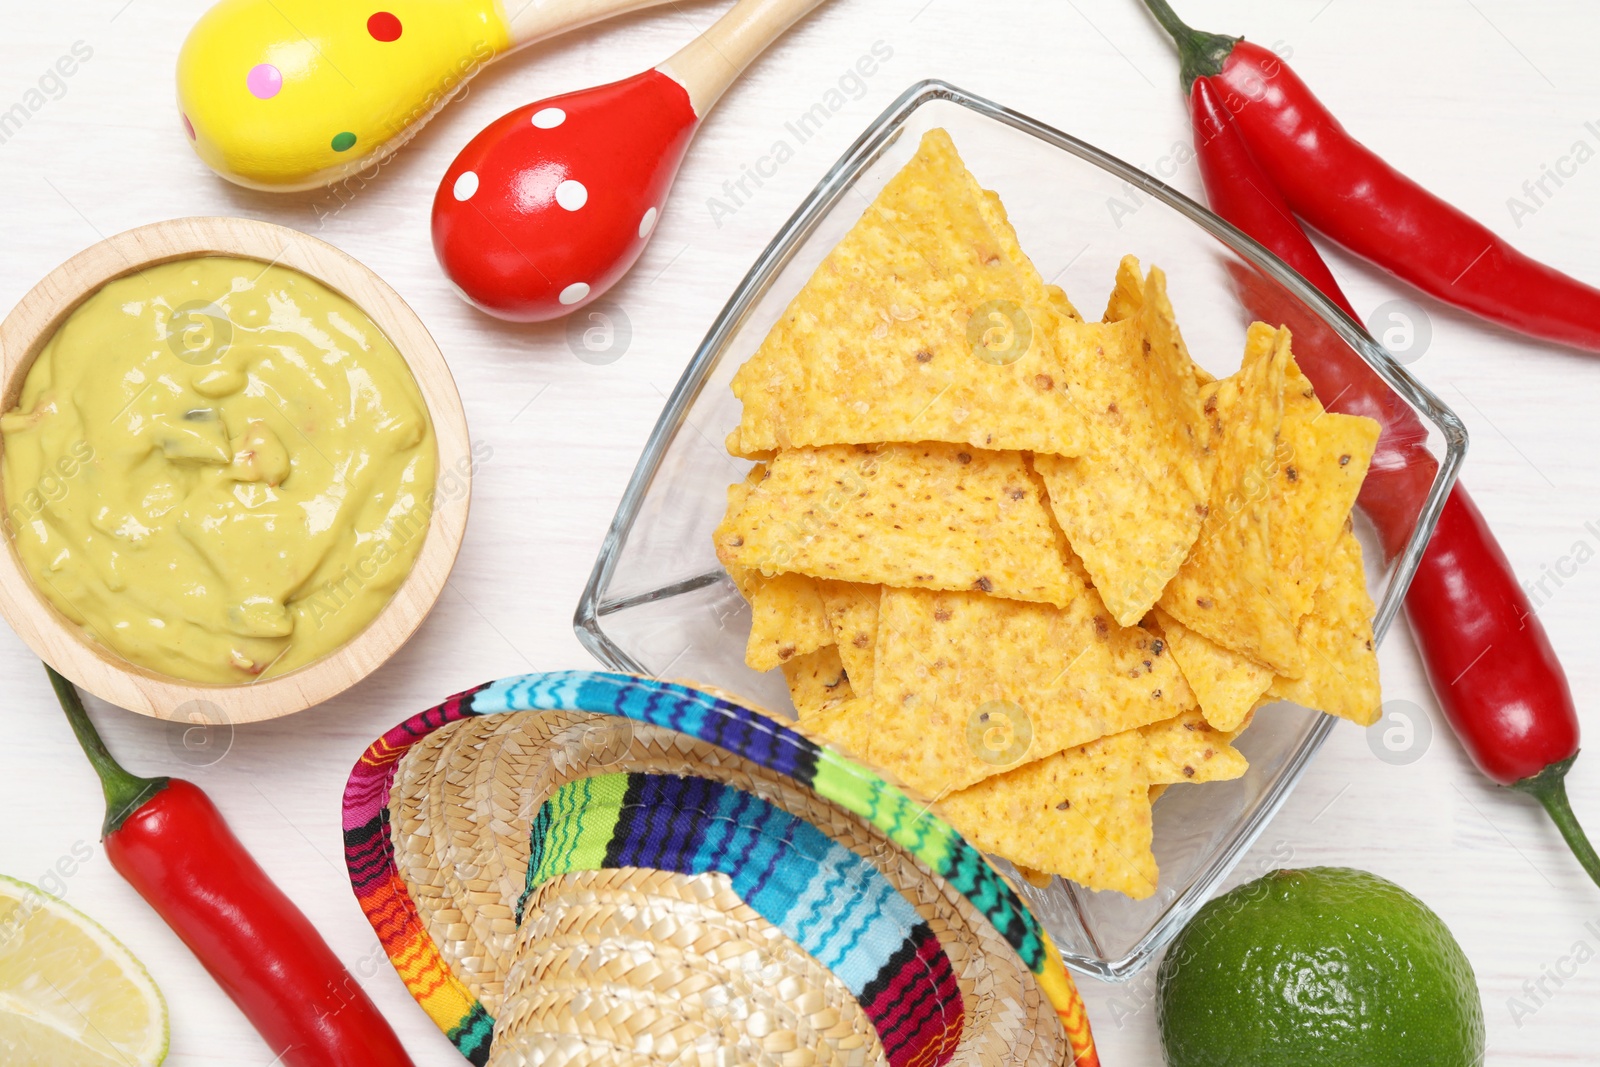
column 536, row 20
column 706, row 66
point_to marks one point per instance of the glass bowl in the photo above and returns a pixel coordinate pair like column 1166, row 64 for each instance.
column 658, row 602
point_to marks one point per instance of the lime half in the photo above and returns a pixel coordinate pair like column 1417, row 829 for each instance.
column 70, row 994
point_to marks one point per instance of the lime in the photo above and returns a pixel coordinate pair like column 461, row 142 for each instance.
column 1325, row 967
column 70, row 994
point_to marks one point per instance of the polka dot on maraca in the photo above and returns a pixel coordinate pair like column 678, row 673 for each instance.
column 647, row 223
column 548, row 118
column 574, row 293
column 264, row 81
column 343, row 142
column 465, row 186
column 384, row 27
column 572, row 194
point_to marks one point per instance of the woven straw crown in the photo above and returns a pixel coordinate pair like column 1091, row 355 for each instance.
column 585, row 868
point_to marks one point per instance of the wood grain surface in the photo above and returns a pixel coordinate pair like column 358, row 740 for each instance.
column 1475, row 98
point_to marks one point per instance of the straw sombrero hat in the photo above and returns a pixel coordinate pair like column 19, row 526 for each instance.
column 584, row 868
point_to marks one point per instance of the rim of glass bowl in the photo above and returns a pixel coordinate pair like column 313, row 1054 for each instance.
column 866, row 150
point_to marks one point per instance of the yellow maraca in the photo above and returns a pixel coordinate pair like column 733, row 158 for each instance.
column 294, row 94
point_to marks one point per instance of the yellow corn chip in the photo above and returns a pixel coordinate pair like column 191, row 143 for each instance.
column 1321, row 461
column 1060, row 304
column 1315, row 486
column 846, row 727
column 1225, row 683
column 1131, row 505
column 817, row 681
column 925, row 323
column 1225, row 590
column 786, row 612
column 786, row 618
column 994, row 213
column 1134, row 296
column 1187, row 748
column 967, row 686
column 1156, row 791
column 853, row 618
column 932, row 516
column 1083, row 814
column 1127, row 300
column 1341, row 674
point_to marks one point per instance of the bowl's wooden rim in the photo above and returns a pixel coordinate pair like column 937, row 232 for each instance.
column 93, row 667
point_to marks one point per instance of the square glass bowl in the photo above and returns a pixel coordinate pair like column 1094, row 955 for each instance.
column 659, row 603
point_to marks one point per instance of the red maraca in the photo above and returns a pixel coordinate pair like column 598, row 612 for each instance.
column 547, row 207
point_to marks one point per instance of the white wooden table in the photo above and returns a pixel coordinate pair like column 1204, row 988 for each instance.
column 1472, row 97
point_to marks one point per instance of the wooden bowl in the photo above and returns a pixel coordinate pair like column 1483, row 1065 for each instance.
column 63, row 644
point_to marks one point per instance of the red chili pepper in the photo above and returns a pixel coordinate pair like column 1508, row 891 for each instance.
column 166, row 838
column 1487, row 656
column 1347, row 191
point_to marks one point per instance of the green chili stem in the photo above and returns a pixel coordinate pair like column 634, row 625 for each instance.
column 125, row 792
column 1549, row 787
column 1201, row 54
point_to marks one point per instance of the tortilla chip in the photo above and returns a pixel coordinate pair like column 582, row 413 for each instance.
column 1225, row 683
column 1131, row 505
column 853, row 619
column 826, row 726
column 1083, row 814
column 1187, row 748
column 1060, row 304
column 994, row 213
column 931, row 516
column 1225, row 590
column 786, row 618
column 925, row 323
column 1341, row 674
column 1315, row 486
column 786, row 612
column 817, row 681
column 967, row 686
column 1127, row 300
